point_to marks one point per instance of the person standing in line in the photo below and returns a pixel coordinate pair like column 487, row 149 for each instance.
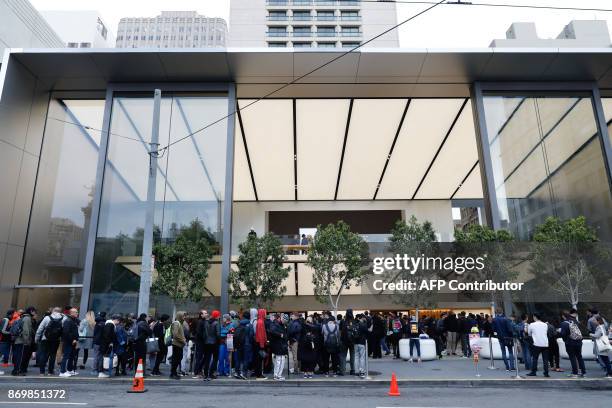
column 538, row 331
column 261, row 341
column 604, row 350
column 227, row 327
column 553, row 346
column 178, row 342
column 158, row 331
column 200, row 344
column 451, row 327
column 278, row 346
column 293, row 333
column 70, row 337
column 413, row 330
column 348, row 330
column 307, row 347
column 86, row 329
column 5, row 337
column 505, row 335
column 48, row 337
column 22, row 331
column 572, row 337
column 243, row 343
column 108, row 339
column 522, row 328
column 211, row 343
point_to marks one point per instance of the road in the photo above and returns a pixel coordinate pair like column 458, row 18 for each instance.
column 111, row 395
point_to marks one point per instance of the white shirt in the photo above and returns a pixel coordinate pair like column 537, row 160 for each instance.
column 539, row 333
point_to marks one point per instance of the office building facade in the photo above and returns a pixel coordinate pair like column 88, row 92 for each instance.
column 80, row 28
column 172, row 29
column 375, row 137
column 311, row 23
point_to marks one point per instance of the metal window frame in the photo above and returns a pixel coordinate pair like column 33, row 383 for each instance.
column 477, row 92
column 113, row 88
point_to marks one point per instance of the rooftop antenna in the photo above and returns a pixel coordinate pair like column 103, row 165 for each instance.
column 461, row 2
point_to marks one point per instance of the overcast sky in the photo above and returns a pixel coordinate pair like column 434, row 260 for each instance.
column 444, row 26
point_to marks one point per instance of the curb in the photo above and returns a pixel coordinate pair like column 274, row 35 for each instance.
column 582, row 384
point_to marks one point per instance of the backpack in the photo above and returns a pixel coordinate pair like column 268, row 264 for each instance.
column 353, row 333
column 168, row 336
column 397, row 326
column 332, row 342
column 309, row 341
column 132, row 333
column 240, row 334
column 53, row 331
column 16, row 329
column 574, row 331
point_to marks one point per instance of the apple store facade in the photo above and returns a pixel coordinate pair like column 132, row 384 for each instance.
column 504, row 138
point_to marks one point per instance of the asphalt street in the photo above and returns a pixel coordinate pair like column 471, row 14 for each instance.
column 111, row 395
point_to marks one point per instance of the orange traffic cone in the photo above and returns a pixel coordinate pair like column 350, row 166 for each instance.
column 394, row 390
column 138, row 384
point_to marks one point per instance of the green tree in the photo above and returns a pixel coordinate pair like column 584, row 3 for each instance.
column 496, row 247
column 182, row 268
column 414, row 239
column 258, row 278
column 338, row 257
column 566, row 255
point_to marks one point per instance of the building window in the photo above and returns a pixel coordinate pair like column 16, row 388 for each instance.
column 302, row 45
column 301, row 15
column 277, row 31
column 350, row 44
column 277, row 16
column 326, row 31
column 325, row 15
column 349, row 15
column 303, row 31
column 85, row 45
column 350, row 32
column 276, row 44
column 73, row 45
column 326, row 45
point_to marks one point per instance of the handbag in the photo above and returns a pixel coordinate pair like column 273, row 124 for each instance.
column 603, row 344
column 106, row 362
column 152, row 345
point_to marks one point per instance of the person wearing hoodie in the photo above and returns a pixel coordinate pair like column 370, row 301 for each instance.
column 22, row 348
column 200, row 344
column 212, row 333
column 70, row 338
column 48, row 336
column 261, row 340
column 227, row 327
column 278, row 346
column 108, row 339
column 178, row 342
column 307, row 347
column 348, row 326
column 331, row 346
column 243, row 344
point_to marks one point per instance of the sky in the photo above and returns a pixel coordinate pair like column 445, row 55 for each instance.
column 445, row 26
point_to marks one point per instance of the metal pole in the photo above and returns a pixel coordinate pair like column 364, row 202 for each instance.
column 367, row 356
column 517, row 376
column 492, row 365
column 147, row 243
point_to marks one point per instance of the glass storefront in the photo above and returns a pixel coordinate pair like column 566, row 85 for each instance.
column 190, row 187
column 59, row 222
column 547, row 161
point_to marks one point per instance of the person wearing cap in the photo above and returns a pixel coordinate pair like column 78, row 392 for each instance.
column 178, row 342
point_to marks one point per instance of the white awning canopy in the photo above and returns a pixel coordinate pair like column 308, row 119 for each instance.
column 356, row 149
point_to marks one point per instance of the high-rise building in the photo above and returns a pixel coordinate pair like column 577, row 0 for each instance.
column 172, row 29
column 311, row 23
column 577, row 34
column 21, row 26
column 80, row 28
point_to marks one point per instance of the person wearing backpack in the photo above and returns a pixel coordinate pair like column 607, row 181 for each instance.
column 159, row 331
column 348, row 328
column 243, row 343
column 572, row 337
column 396, row 334
column 5, row 337
column 178, row 342
column 48, row 336
column 331, row 346
column 23, row 340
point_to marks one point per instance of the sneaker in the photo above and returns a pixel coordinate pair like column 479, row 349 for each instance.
column 572, row 375
column 73, row 372
column 410, row 360
column 198, row 377
column 305, row 375
column 102, row 375
column 362, row 375
column 419, row 360
column 281, row 378
column 64, row 374
column 81, row 367
column 310, row 376
column 546, row 375
column 531, row 375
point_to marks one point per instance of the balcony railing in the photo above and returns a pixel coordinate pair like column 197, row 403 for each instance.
column 302, row 34
column 326, row 18
column 350, row 18
column 277, row 2
column 286, row 3
column 278, row 18
column 301, row 18
column 326, row 34
column 278, row 34
column 350, row 34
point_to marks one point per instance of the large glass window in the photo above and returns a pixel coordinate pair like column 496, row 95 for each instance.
column 57, row 235
column 547, row 160
column 190, row 187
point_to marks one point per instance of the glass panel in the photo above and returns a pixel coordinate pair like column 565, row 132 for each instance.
column 547, row 161
column 57, row 235
column 190, row 187
column 44, row 298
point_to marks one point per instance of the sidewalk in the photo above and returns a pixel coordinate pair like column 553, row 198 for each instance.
column 450, row 371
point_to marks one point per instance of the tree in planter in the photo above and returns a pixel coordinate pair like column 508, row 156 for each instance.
column 566, row 255
column 258, row 279
column 497, row 249
column 414, row 239
column 182, row 268
column 338, row 257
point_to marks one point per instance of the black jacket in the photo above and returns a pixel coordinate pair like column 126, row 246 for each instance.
column 143, row 331
column 278, row 339
column 107, row 338
column 70, row 330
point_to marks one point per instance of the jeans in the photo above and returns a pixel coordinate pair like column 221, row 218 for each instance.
column 606, row 361
column 177, row 356
column 244, row 357
column 343, row 350
column 553, row 353
column 47, row 350
column 17, row 354
column 360, row 358
column 451, row 343
column 526, row 348
column 159, row 357
column 383, row 345
column 224, row 361
column 334, row 355
column 465, row 345
column 415, row 343
column 5, row 350
column 67, row 358
column 506, row 344
column 94, row 357
column 279, row 365
column 574, row 353
column 536, row 354
column 207, row 368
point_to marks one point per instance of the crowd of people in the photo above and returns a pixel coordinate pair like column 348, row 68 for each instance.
column 254, row 343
